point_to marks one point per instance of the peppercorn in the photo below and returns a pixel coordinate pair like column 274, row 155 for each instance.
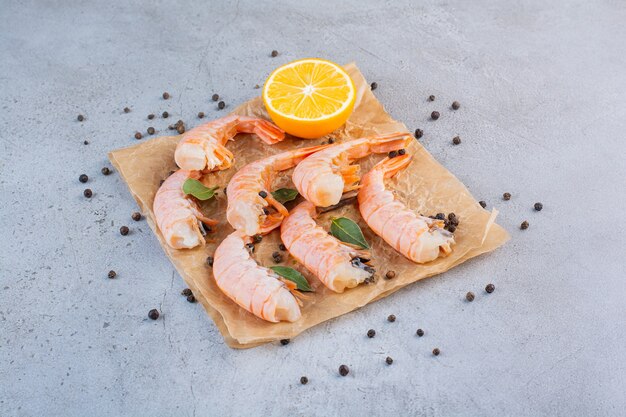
column 391, row 318
column 165, row 115
column 166, row 95
column 263, row 194
column 344, row 370
column 371, row 333
column 191, row 299
column 456, row 140
column 138, row 135
column 153, row 314
column 469, row 296
column 524, row 225
column 282, row 246
column 436, row 351
column 482, row 204
column 136, row 216
column 393, row 154
column 420, row 332
column 83, row 178
column 124, row 230
column 186, row 292
column 105, row 171
column 431, row 98
column 506, row 196
column 112, row 274
column 150, row 116
column 87, row 193
column 221, row 105
column 278, row 258
column 390, row 274
column 274, row 53
column 331, row 141
column 284, row 342
column 456, row 105
column 419, row 133
column 304, row 380
column 389, row 360
column 440, row 216
column 490, row 288
column 538, row 206
column 434, row 115
column 257, row 238
column 451, row 228
column 401, row 151
column 180, row 129
column 80, row 117
column 201, row 115
column 209, row 261
column 86, row 142
column 374, row 86
column 126, row 110
column 215, row 97
column 151, row 130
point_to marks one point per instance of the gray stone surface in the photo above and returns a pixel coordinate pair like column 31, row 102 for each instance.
column 543, row 92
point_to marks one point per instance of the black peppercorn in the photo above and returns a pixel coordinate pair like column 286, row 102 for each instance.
column 186, row 292
column 506, row 196
column 391, row 318
column 420, row 332
column 436, row 351
column 393, row 154
column 83, row 178
column 201, row 115
column 451, row 228
column 390, row 274
column 105, row 171
column 389, row 360
column 221, row 105
column 482, row 204
column 331, row 141
column 344, row 370
column 431, row 98
column 151, row 130
column 371, row 333
column 165, row 115
column 180, row 129
column 434, row 115
column 263, row 194
column 278, row 258
column 126, row 110
column 112, row 274
column 257, row 238
column 440, row 216
column 538, row 206
column 419, row 133
column 150, row 116
column 304, row 380
column 274, row 53
column 166, row 95
column 86, row 142
column 124, row 230
column 153, row 314
column 209, row 261
column 215, row 97
column 456, row 105
column 191, row 299
column 282, row 246
column 136, row 216
column 490, row 288
column 284, row 342
column 374, row 86
column 524, row 225
column 87, row 193
column 80, row 117
column 138, row 135
column 456, row 140
column 401, row 151
column 469, row 296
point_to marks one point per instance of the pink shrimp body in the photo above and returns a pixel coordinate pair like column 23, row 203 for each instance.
column 337, row 265
column 177, row 215
column 203, row 147
column 253, row 287
column 245, row 210
column 420, row 239
column 323, row 178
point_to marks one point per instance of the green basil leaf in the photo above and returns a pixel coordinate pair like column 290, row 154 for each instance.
column 282, row 195
column 348, row 231
column 198, row 190
column 293, row 275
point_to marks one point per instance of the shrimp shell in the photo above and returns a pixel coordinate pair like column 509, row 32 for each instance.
column 418, row 238
column 253, row 287
column 337, row 265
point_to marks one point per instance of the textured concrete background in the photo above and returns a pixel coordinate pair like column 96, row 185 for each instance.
column 543, row 93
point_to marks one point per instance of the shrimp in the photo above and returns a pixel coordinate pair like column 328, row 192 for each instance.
column 420, row 239
column 336, row 264
column 177, row 215
column 323, row 178
column 249, row 192
column 203, row 147
column 254, row 288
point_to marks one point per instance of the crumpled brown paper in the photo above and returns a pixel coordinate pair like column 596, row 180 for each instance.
column 425, row 186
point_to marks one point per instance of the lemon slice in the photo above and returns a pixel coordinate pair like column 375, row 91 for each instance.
column 310, row 97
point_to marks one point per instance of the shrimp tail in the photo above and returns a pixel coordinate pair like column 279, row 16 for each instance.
column 266, row 131
column 391, row 166
column 272, row 221
column 389, row 142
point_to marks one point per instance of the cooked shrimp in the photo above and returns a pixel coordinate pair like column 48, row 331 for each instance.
column 323, row 178
column 336, row 264
column 249, row 192
column 420, row 239
column 177, row 215
column 203, row 147
column 255, row 288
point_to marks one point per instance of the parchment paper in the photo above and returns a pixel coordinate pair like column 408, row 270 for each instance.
column 425, row 186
